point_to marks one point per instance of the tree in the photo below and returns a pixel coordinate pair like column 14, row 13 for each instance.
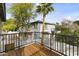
column 44, row 9
column 57, row 27
column 23, row 13
column 10, row 24
column 68, row 27
column 76, row 22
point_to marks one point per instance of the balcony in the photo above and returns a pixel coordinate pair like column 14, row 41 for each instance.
column 29, row 44
column 32, row 49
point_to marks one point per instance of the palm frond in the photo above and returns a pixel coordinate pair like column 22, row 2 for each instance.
column 44, row 8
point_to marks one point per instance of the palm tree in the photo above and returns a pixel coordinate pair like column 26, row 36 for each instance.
column 44, row 9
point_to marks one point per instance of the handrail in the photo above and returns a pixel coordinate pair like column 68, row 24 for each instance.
column 14, row 40
column 65, row 44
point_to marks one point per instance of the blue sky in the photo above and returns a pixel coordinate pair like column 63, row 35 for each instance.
column 61, row 11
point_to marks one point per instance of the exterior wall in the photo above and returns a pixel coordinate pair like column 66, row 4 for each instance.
column 35, row 28
column 37, row 36
column 48, row 27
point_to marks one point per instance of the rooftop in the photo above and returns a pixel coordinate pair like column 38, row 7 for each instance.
column 38, row 21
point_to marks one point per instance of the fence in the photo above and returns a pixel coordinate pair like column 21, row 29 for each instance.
column 64, row 44
column 14, row 40
column 67, row 45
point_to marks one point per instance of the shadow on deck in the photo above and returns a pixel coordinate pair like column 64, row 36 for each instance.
column 33, row 49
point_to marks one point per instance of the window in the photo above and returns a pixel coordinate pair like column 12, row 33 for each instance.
column 35, row 26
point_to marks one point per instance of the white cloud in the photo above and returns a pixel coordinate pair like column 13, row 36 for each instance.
column 68, row 17
column 37, row 4
column 71, row 18
column 77, row 19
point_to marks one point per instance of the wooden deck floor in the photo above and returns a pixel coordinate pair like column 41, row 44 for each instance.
column 32, row 50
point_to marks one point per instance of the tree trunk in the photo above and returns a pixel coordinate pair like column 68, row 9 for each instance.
column 43, row 28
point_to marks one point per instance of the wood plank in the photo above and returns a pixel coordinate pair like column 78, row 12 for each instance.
column 32, row 50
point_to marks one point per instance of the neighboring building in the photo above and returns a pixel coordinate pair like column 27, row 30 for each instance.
column 37, row 26
column 36, row 29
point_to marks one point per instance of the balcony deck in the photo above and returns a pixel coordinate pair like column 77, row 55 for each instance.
column 33, row 49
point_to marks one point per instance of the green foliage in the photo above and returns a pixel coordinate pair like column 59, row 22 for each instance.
column 23, row 13
column 10, row 24
column 44, row 8
column 67, row 35
column 76, row 22
column 68, row 39
column 76, row 33
column 57, row 27
column 64, row 30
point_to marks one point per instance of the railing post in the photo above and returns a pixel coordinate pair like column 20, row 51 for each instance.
column 73, row 45
column 34, row 39
column 3, row 43
column 50, row 40
column 42, row 39
column 51, row 34
column 77, row 47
